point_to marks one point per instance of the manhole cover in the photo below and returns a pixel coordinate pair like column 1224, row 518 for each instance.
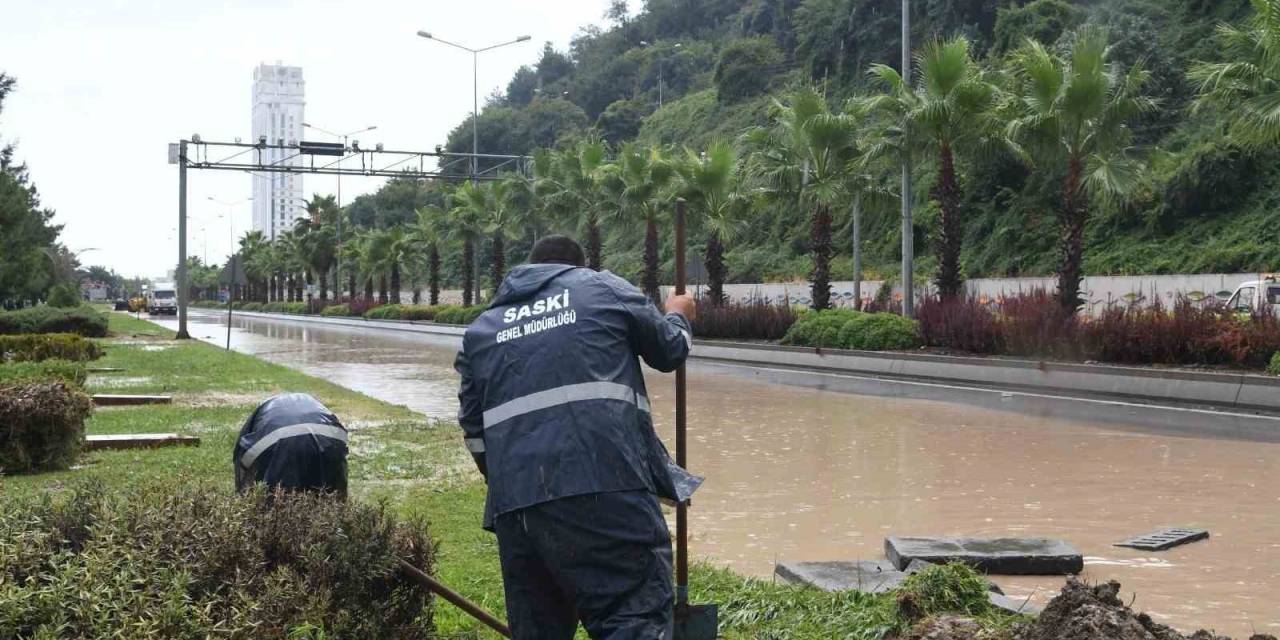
column 1164, row 539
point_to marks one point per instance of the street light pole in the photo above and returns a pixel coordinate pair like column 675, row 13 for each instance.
column 475, row 91
column 337, row 265
column 908, row 241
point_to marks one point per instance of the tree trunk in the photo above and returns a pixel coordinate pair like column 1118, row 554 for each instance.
column 714, row 260
column 382, row 288
column 1075, row 213
column 417, row 295
column 820, row 247
column 324, row 286
column 468, row 271
column 271, row 292
column 951, row 235
column 351, row 286
column 288, row 287
column 593, row 242
column 499, row 268
column 857, row 251
column 433, row 275
column 368, row 288
column 650, row 278
column 300, row 281
column 310, row 279
column 395, row 283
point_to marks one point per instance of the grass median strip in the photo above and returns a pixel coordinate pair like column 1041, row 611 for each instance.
column 416, row 465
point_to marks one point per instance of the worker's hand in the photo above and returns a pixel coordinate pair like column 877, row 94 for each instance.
column 684, row 305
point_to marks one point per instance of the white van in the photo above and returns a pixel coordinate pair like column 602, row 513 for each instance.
column 1256, row 295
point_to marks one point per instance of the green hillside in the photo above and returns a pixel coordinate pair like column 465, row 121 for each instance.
column 1203, row 203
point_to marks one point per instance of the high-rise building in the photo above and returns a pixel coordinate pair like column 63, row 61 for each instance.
column 277, row 116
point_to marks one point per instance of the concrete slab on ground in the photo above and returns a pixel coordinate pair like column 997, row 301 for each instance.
column 120, row 400
column 139, row 441
column 867, row 576
column 1006, row 556
column 1013, row 605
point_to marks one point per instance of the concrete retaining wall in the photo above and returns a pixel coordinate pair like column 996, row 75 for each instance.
column 1229, row 390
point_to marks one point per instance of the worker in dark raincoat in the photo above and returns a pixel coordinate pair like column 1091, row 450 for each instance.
column 554, row 410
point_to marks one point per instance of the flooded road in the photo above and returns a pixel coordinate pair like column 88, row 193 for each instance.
column 805, row 474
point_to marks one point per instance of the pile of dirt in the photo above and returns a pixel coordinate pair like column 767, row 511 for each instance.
column 1080, row 612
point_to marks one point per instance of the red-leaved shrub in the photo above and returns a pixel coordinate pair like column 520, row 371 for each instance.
column 964, row 324
column 752, row 321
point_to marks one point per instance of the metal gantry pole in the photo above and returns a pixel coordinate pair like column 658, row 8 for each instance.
column 908, row 240
column 475, row 114
column 182, row 242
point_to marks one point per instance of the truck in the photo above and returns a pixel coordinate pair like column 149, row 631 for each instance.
column 1257, row 296
column 162, row 298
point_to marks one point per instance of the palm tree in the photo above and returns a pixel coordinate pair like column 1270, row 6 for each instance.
column 1247, row 86
column 427, row 232
column 710, row 184
column 806, row 155
column 503, row 215
column 950, row 109
column 293, row 259
column 253, row 251
column 316, row 244
column 1073, row 112
column 466, row 217
column 639, row 181
column 569, row 182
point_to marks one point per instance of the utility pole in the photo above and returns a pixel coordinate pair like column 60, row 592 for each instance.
column 908, row 240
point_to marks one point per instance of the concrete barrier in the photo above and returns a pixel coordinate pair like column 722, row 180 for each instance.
column 1217, row 390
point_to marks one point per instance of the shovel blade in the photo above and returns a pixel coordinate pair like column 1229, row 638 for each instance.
column 697, row 622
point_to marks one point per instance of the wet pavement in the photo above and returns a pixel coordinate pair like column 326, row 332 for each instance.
column 799, row 473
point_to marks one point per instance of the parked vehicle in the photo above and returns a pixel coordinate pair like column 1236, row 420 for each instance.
column 162, row 299
column 1256, row 295
column 121, row 304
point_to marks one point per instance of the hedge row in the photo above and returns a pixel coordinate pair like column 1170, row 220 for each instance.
column 446, row 313
column 168, row 561
column 48, row 346
column 72, row 373
column 43, row 427
column 82, row 320
column 849, row 329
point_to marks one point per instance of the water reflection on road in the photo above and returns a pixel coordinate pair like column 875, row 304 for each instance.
column 805, row 474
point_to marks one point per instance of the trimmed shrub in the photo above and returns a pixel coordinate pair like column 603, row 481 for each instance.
column 43, row 427
column 879, row 332
column 83, row 320
column 295, row 308
column 456, row 314
column 336, row 310
column 251, row 306
column 208, row 304
column 1273, row 367
column 159, row 561
column 754, row 321
column 418, row 312
column 64, row 295
column 383, row 312
column 48, row 346
column 819, row 329
column 72, row 373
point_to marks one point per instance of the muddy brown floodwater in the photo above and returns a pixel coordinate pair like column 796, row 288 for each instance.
column 804, row 474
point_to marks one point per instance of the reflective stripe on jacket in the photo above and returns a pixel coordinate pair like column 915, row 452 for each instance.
column 552, row 400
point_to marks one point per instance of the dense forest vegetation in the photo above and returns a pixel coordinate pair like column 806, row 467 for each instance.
column 1203, row 203
column 1044, row 137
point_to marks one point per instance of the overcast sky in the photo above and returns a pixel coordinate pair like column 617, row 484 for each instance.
column 105, row 85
